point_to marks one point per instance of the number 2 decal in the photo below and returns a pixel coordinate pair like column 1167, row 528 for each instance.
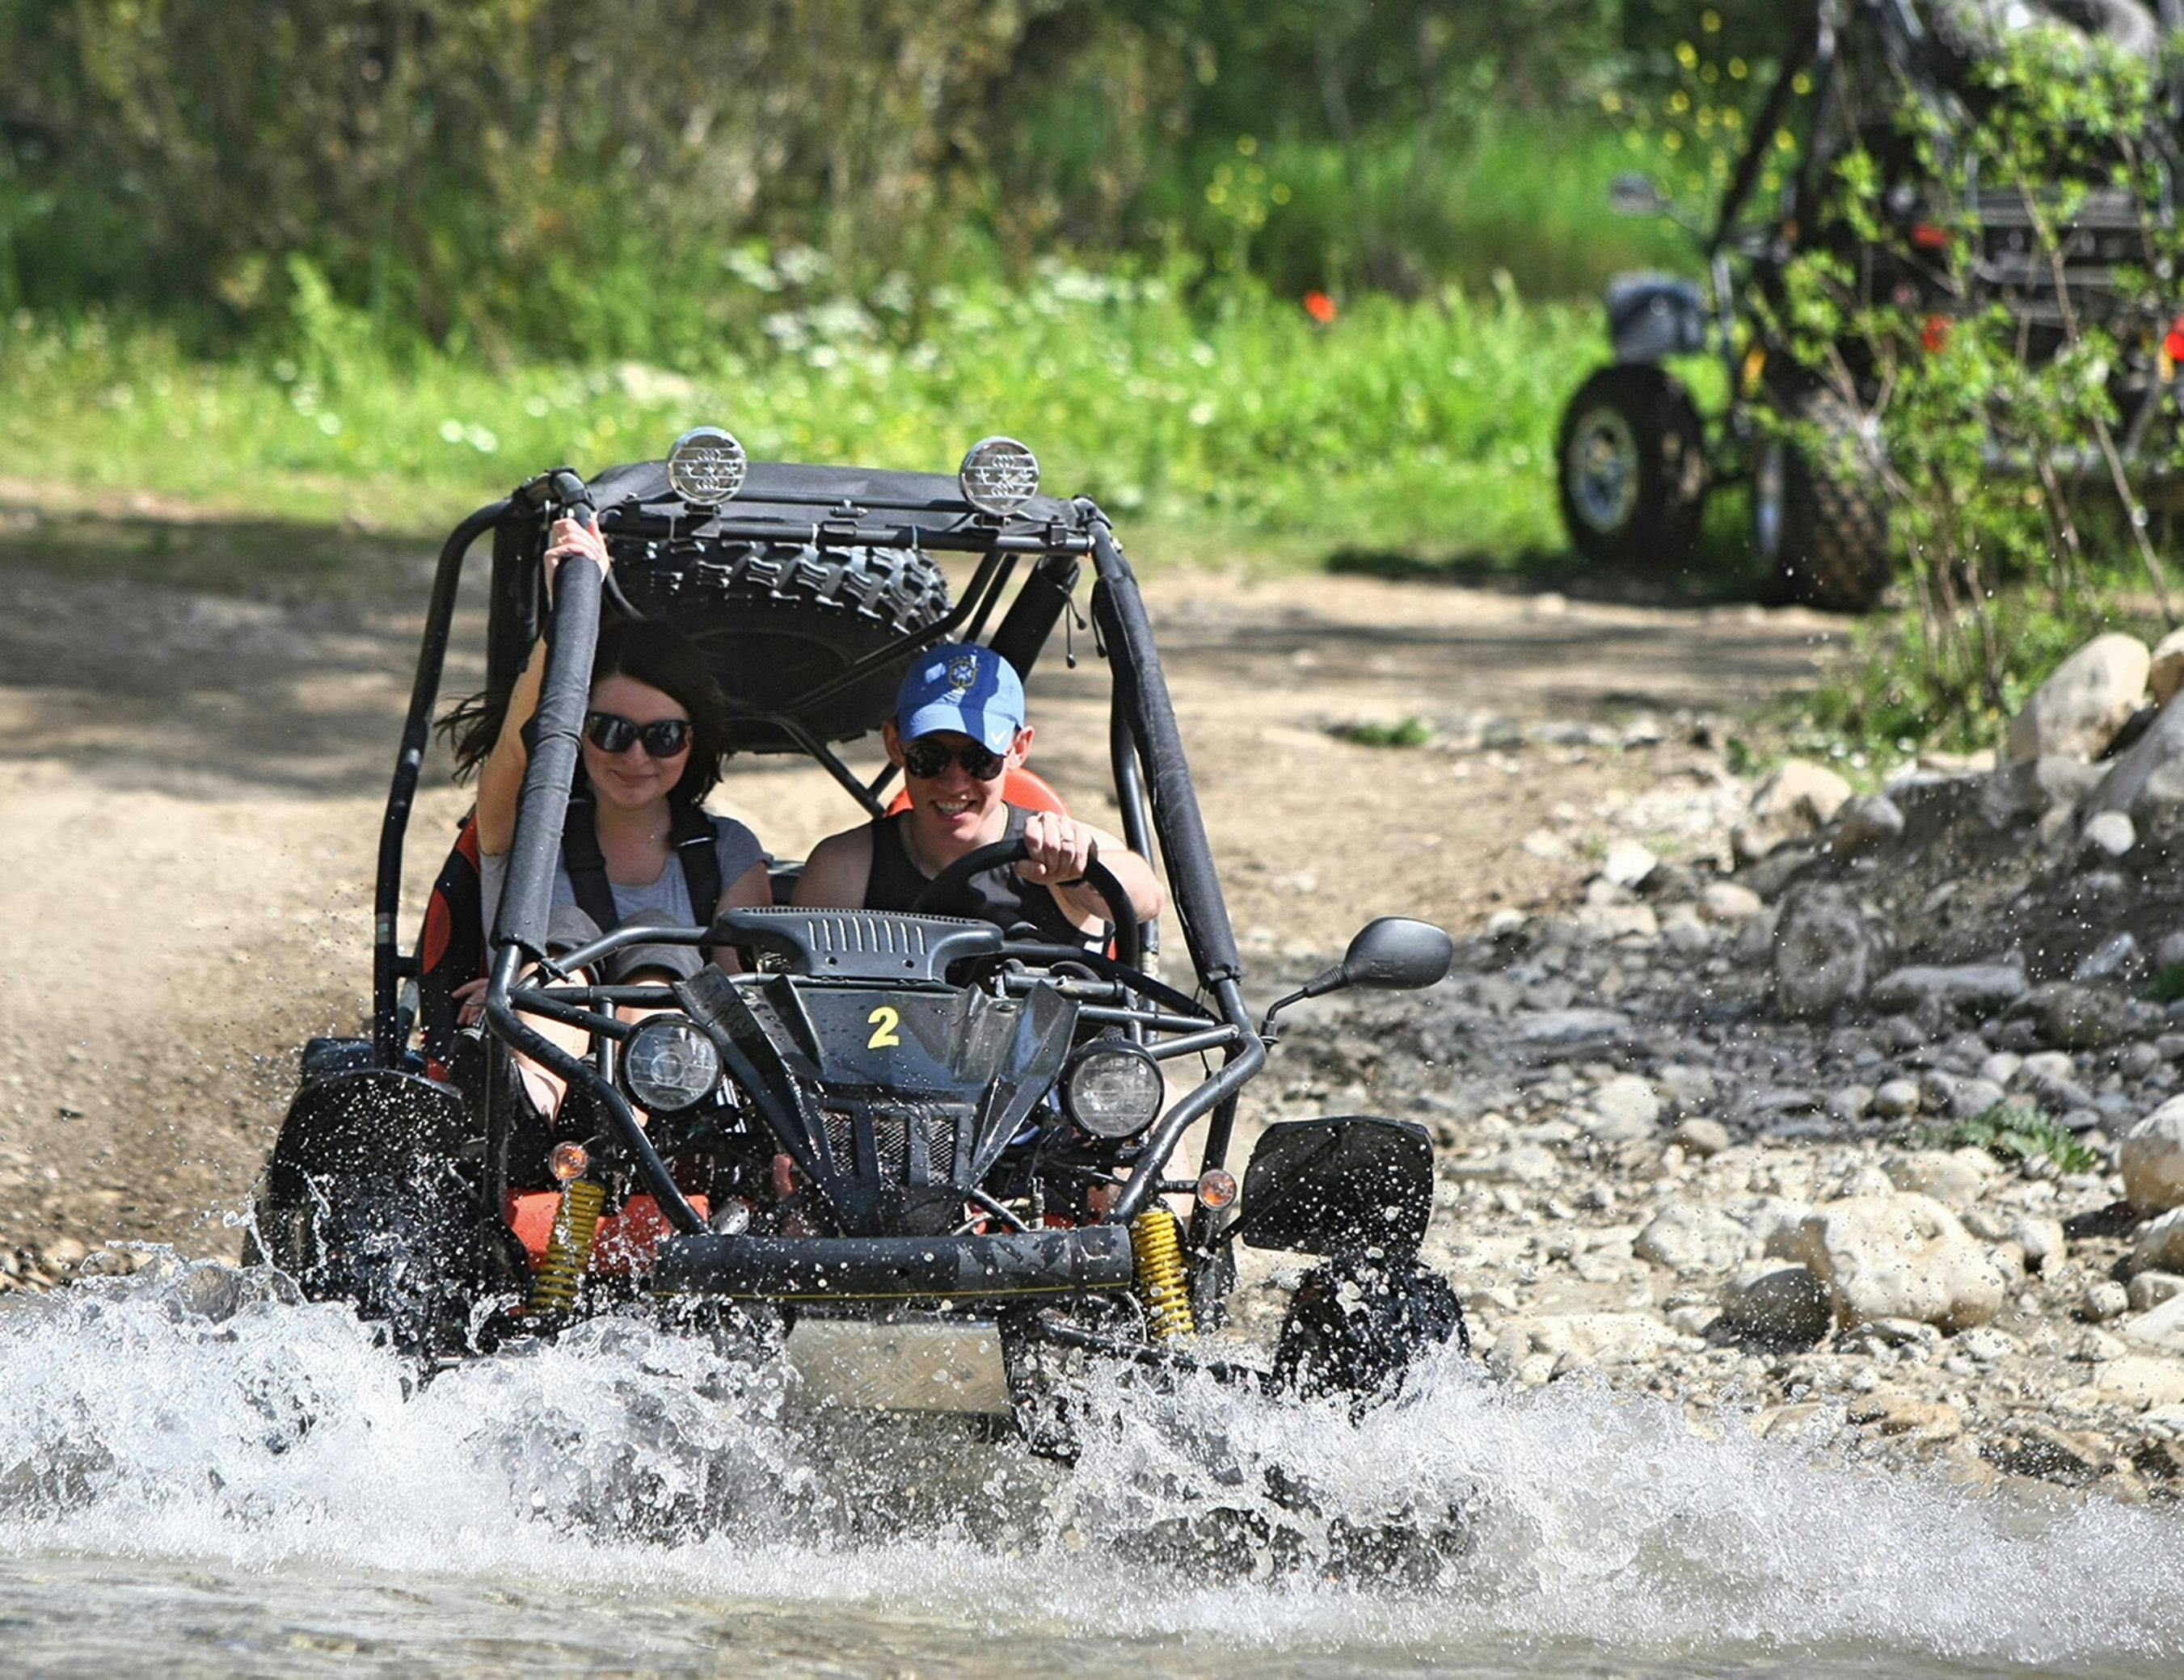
column 883, row 1022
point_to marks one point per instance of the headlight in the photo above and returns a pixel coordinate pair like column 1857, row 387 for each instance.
column 705, row 467
column 1113, row 1089
column 999, row 476
column 668, row 1064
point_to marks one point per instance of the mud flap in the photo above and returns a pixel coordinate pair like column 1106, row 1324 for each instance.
column 1348, row 1182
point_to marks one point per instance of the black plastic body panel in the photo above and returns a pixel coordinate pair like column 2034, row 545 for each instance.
column 1329, row 1186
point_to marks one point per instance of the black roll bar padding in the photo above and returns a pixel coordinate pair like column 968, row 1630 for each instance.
column 509, row 1027
column 387, row 1034
column 1038, row 606
column 527, row 898
column 1141, row 691
column 1242, row 1062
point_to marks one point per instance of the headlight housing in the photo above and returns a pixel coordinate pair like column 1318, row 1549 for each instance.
column 670, row 1064
column 706, row 468
column 1113, row 1089
column 999, row 476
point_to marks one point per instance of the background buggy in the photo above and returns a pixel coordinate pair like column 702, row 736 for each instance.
column 1635, row 456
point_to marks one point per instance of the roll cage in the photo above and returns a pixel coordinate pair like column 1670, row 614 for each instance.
column 829, row 511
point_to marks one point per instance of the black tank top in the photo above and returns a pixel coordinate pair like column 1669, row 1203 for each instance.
column 999, row 895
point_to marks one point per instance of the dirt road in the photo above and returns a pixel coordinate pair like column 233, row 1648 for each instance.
column 190, row 782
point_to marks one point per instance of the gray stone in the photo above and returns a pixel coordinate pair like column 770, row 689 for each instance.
column 2159, row 1244
column 2152, row 1159
column 1956, row 1176
column 1893, row 1099
column 1628, row 864
column 2116, row 957
column 1976, row 987
column 1824, row 952
column 2149, row 1289
column 2077, row 711
column 2133, row 767
column 2139, row 1380
column 1775, row 1305
column 2071, row 1016
column 1701, row 1138
column 1569, row 1026
column 2109, row 833
column 2104, row 1300
column 1866, row 824
column 2164, row 673
column 1692, row 1236
column 1726, row 901
column 1902, row 1256
column 2161, row 1328
column 2040, row 1239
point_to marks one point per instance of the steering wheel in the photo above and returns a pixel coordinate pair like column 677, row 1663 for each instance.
column 1128, row 937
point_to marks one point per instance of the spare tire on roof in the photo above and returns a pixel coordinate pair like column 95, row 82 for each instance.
column 776, row 621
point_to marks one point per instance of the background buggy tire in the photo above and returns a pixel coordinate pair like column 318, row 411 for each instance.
column 1819, row 521
column 1357, row 1322
column 1631, row 468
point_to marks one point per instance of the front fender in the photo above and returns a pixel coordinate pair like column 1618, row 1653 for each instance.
column 1650, row 316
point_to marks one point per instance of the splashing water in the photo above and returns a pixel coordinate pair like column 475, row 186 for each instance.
column 199, row 1474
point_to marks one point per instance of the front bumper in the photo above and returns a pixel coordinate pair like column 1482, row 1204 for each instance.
column 1089, row 1260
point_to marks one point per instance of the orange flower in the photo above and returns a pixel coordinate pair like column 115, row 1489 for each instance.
column 1319, row 306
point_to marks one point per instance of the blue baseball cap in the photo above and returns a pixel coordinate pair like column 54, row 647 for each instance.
column 964, row 687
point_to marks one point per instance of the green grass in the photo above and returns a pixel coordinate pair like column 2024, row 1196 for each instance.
column 1423, row 426
column 2018, row 1132
column 1410, row 731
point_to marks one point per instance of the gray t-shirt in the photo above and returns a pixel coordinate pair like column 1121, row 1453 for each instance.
column 734, row 845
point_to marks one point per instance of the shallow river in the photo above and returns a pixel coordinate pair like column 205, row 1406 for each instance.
column 196, row 1479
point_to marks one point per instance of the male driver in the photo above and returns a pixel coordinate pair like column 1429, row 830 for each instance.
column 958, row 729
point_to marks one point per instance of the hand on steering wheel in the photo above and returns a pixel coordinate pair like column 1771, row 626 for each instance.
column 1058, row 850
column 1122, row 913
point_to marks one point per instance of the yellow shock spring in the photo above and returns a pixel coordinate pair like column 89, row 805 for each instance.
column 1156, row 1246
column 568, row 1250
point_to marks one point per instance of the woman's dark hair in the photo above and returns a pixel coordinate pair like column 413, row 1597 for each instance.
column 644, row 650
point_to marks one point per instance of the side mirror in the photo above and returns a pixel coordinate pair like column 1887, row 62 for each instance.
column 1633, row 194
column 1397, row 954
column 1393, row 954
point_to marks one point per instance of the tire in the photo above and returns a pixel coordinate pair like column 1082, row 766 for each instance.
column 775, row 620
column 1631, row 469
column 1819, row 520
column 1358, row 1322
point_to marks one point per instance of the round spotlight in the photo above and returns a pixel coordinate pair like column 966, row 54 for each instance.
column 670, row 1064
column 705, row 467
column 999, row 476
column 1113, row 1089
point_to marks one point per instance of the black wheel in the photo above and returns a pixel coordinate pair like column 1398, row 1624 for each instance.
column 1819, row 519
column 1632, row 468
column 1357, row 1322
column 775, row 620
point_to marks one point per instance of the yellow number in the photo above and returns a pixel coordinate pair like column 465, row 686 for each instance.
column 883, row 1022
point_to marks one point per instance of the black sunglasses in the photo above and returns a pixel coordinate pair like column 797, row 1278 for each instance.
column 611, row 732
column 926, row 758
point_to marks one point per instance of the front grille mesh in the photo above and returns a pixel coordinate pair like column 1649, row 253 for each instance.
column 895, row 1138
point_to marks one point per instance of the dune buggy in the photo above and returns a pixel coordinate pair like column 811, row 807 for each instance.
column 1637, row 459
column 921, row 1155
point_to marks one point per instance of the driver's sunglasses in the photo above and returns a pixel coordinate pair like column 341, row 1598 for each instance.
column 926, row 758
column 612, row 732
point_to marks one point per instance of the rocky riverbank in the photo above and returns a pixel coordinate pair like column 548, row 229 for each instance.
column 1857, row 1120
